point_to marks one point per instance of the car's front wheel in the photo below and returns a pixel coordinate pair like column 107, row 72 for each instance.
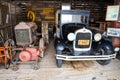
column 105, row 49
column 59, row 61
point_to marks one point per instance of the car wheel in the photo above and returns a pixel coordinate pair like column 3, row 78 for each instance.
column 105, row 49
column 118, row 55
column 59, row 63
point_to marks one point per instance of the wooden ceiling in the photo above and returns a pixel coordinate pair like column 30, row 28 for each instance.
column 61, row 0
column 96, row 7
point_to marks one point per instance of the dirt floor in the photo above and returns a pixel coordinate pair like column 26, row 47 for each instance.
column 80, row 70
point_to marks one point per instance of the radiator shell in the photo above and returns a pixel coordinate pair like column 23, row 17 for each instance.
column 23, row 33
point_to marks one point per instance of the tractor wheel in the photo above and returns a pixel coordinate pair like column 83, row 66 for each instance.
column 14, row 67
column 7, row 64
column 35, row 66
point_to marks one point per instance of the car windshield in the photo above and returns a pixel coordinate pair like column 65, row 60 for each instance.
column 70, row 28
column 70, row 18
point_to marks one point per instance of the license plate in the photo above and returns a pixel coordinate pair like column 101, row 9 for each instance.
column 83, row 42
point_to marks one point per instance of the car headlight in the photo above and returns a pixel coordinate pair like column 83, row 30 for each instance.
column 97, row 37
column 71, row 36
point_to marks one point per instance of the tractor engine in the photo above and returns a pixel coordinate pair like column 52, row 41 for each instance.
column 29, row 54
column 25, row 34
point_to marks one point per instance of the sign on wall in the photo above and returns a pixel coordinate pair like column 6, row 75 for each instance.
column 115, row 32
column 112, row 13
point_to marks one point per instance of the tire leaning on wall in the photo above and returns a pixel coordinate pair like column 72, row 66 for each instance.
column 31, row 15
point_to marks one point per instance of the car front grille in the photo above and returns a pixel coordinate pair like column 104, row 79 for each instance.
column 83, row 40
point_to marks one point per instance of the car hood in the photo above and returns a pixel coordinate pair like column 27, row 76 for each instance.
column 70, row 28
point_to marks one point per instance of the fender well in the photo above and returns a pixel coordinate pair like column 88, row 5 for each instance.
column 109, row 47
column 60, row 46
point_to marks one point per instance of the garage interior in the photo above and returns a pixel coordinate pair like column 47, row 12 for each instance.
column 43, row 13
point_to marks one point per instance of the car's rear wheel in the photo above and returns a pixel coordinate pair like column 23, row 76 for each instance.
column 105, row 49
column 118, row 55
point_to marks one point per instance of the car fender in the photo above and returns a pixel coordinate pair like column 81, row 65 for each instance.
column 107, row 41
column 60, row 46
column 108, row 46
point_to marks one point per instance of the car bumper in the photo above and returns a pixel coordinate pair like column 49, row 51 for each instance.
column 85, row 57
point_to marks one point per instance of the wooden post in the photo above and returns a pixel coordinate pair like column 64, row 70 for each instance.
column 102, row 25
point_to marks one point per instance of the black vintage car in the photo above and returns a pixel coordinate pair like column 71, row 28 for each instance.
column 74, row 40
